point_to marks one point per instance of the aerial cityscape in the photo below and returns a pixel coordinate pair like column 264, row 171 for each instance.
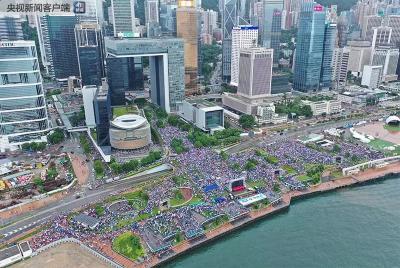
column 195, row 133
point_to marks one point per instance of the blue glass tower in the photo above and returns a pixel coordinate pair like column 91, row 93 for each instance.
column 310, row 48
column 329, row 46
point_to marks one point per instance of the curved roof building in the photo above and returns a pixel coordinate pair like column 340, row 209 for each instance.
column 129, row 131
column 393, row 120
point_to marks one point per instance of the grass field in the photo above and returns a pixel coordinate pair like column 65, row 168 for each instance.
column 289, row 169
column 122, row 110
column 128, row 244
column 303, row 178
column 258, row 183
column 391, row 128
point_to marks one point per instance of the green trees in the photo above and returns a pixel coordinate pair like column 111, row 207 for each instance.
column 34, row 146
column 177, row 146
column 209, row 54
column 77, row 117
column 134, row 164
column 56, row 137
column 85, row 143
column 315, row 173
column 99, row 168
column 295, row 106
column 247, row 121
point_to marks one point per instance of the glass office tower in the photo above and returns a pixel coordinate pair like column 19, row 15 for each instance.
column 23, row 115
column 310, row 48
column 59, row 38
column 89, row 42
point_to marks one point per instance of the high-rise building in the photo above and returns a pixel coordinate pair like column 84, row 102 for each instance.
column 124, row 22
column 329, row 46
column 93, row 12
column 381, row 36
column 23, row 114
column 187, row 29
column 89, row 44
column 368, row 25
column 102, row 112
column 88, row 96
column 255, row 72
column 310, row 48
column 257, row 17
column 372, row 76
column 168, row 18
column 387, row 57
column 58, row 35
column 242, row 37
column 272, row 26
column 340, row 65
column 11, row 27
column 166, row 57
column 360, row 55
column 152, row 15
column 210, row 19
column 229, row 20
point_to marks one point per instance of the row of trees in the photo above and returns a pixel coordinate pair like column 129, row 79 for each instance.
column 134, row 164
column 293, row 107
column 34, row 146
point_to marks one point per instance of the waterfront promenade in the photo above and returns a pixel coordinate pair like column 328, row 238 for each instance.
column 362, row 177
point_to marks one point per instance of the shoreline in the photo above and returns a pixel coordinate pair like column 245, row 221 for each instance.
column 366, row 177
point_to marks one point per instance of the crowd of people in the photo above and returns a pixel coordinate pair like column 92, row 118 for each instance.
column 202, row 168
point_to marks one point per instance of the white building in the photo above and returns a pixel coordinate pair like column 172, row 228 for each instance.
column 360, row 55
column 381, row 36
column 371, row 76
column 324, row 107
column 266, row 115
column 340, row 67
column 88, row 94
column 255, row 72
column 387, row 57
column 210, row 19
column 123, row 14
column 243, row 36
column 203, row 114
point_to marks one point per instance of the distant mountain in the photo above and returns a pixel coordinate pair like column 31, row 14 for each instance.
column 341, row 4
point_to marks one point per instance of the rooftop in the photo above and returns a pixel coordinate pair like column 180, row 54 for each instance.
column 128, row 121
column 201, row 103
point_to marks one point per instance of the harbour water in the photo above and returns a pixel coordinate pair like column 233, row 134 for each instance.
column 351, row 227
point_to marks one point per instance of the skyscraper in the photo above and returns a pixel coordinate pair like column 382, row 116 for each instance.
column 123, row 17
column 187, row 29
column 310, row 48
column 229, row 20
column 210, row 18
column 152, row 15
column 255, row 72
column 23, row 114
column 89, row 43
column 168, row 18
column 272, row 26
column 102, row 112
column 242, row 37
column 340, row 66
column 60, row 47
column 11, row 27
column 329, row 46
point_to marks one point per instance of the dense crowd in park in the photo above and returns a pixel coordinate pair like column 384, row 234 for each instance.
column 209, row 174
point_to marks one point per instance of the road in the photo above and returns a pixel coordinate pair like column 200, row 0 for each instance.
column 28, row 221
column 23, row 223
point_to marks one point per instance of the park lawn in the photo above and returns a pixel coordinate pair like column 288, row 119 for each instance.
column 140, row 197
column 123, row 110
column 391, row 128
column 124, row 222
column 216, row 223
column 177, row 200
column 303, row 178
column 289, row 169
column 380, row 145
column 196, row 200
column 128, row 245
column 257, row 183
